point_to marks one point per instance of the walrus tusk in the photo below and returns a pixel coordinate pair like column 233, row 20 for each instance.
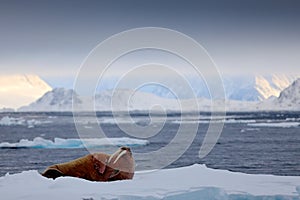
column 114, row 154
column 119, row 156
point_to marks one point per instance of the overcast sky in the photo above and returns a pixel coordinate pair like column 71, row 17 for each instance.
column 52, row 38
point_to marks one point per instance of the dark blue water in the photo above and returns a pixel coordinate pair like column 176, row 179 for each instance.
column 242, row 147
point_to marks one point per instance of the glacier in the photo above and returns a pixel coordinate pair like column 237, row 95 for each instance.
column 190, row 182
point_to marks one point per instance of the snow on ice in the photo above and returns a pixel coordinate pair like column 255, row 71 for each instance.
column 192, row 182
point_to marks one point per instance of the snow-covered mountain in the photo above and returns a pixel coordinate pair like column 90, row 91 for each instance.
column 253, row 88
column 59, row 99
column 242, row 88
column 289, row 98
column 272, row 85
column 19, row 90
column 122, row 100
column 291, row 95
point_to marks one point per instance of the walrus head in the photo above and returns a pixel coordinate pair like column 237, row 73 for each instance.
column 117, row 166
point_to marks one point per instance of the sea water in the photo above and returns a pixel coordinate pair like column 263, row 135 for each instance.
column 255, row 143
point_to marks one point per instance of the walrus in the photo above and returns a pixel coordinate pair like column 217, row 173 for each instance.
column 97, row 167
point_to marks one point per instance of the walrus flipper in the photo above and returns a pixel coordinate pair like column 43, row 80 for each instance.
column 52, row 173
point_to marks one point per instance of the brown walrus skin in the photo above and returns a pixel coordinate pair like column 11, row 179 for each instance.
column 97, row 167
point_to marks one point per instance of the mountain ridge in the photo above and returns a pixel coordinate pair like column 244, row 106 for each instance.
column 60, row 99
column 243, row 87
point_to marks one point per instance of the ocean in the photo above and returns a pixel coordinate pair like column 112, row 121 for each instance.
column 253, row 143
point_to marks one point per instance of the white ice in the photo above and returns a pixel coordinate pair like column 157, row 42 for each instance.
column 276, row 124
column 9, row 121
column 20, row 121
column 192, row 182
column 40, row 142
